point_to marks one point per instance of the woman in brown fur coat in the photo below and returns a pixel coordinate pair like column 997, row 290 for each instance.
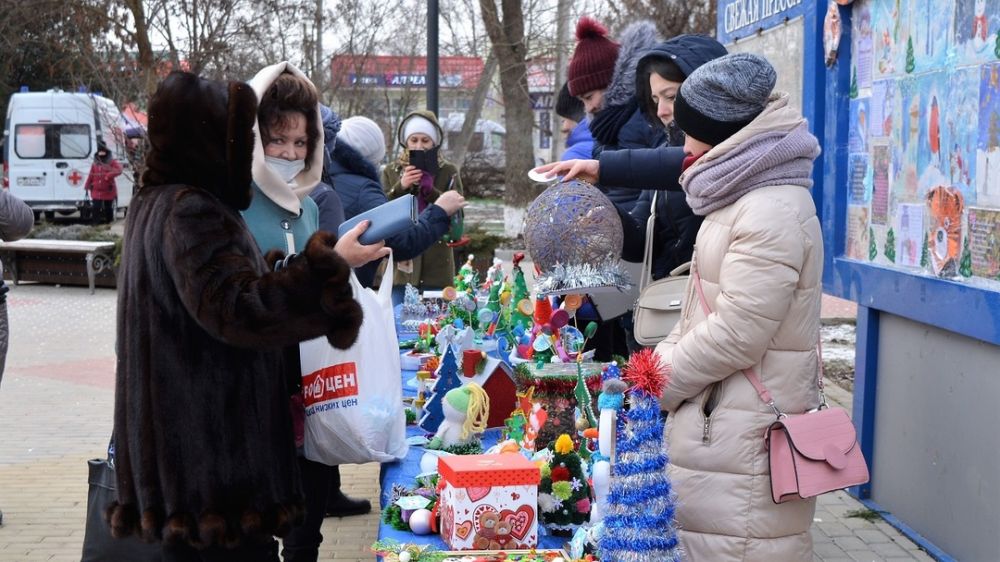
column 203, row 433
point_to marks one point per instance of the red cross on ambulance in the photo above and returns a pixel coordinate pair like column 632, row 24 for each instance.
column 75, row 178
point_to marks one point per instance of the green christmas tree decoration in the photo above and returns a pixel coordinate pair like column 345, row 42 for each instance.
column 518, row 294
column 854, row 83
column 583, row 399
column 564, row 498
column 996, row 48
column 925, row 254
column 890, row 245
column 965, row 264
column 910, row 62
column 872, row 248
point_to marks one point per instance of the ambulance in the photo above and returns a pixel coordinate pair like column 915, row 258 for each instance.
column 49, row 143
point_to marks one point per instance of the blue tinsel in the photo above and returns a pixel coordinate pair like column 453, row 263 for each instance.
column 640, row 505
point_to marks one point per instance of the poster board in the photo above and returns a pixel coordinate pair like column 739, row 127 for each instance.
column 924, row 138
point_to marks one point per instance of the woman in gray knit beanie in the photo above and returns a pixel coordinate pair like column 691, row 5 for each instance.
column 759, row 261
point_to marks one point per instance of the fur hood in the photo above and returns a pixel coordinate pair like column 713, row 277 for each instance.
column 201, row 133
column 635, row 40
column 271, row 185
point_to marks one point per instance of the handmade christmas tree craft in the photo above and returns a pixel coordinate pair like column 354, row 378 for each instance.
column 890, row 245
column 965, row 263
column 872, row 248
column 925, row 255
column 639, row 521
column 520, row 303
column 564, row 493
column 447, row 379
column 854, row 83
column 910, row 61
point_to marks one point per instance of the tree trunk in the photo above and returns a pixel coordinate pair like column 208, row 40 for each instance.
column 562, row 49
column 143, row 45
column 507, row 38
column 461, row 146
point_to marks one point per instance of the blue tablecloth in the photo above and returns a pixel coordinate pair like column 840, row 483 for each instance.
column 405, row 471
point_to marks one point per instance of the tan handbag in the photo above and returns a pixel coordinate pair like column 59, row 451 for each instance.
column 658, row 307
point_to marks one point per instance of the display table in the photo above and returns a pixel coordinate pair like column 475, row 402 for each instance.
column 405, row 471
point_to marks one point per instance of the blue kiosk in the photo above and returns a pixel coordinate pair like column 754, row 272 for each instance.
column 904, row 96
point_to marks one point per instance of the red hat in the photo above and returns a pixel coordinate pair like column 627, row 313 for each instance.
column 593, row 61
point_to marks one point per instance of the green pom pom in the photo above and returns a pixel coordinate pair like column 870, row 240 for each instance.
column 546, row 471
column 562, row 490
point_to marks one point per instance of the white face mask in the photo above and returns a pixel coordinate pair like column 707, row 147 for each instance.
column 286, row 169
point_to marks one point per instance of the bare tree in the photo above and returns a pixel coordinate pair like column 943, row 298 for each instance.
column 505, row 28
column 672, row 17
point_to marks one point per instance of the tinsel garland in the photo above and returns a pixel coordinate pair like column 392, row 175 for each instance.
column 639, row 521
column 573, row 278
column 555, row 379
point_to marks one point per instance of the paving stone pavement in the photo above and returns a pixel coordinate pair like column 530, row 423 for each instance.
column 56, row 402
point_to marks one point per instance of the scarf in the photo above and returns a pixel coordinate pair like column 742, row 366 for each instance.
column 425, row 192
column 769, row 158
column 610, row 120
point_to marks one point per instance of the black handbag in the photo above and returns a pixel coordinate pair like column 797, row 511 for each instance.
column 98, row 544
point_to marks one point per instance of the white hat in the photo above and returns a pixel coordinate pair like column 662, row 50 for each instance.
column 418, row 124
column 365, row 136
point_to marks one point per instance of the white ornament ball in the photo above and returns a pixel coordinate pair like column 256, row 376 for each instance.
column 429, row 463
column 405, row 556
column 420, row 521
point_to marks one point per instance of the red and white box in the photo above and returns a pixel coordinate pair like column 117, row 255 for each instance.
column 488, row 502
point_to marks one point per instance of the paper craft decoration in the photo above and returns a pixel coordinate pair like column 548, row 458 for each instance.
column 488, row 502
column 555, row 389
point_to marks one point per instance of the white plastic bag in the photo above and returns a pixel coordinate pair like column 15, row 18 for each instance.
column 354, row 397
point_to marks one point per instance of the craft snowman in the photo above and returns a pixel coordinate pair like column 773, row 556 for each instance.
column 466, row 410
column 610, row 402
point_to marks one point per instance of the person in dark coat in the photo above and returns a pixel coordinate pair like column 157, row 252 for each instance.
column 653, row 168
column 602, row 74
column 205, row 454
column 575, row 126
column 352, row 156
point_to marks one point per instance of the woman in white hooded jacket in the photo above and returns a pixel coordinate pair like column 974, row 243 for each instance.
column 759, row 254
column 287, row 166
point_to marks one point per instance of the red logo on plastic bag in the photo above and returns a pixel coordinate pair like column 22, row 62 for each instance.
column 330, row 383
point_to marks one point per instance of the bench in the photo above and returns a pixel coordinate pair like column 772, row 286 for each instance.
column 66, row 262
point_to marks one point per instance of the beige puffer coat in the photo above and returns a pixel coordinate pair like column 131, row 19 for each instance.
column 761, row 262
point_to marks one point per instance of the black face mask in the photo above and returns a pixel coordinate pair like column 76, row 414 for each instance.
column 426, row 160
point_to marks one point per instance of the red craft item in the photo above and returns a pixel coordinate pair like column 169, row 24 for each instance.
column 470, row 360
column 543, row 311
column 507, row 469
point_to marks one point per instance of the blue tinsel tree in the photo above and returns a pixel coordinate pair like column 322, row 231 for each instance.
column 639, row 524
column 447, row 379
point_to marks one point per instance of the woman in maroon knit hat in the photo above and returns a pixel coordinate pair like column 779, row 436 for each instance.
column 592, row 65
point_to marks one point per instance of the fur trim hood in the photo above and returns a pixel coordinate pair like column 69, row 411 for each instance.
column 285, row 195
column 635, row 40
column 201, row 133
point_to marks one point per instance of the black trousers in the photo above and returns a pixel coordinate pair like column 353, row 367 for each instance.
column 264, row 552
column 301, row 544
column 104, row 211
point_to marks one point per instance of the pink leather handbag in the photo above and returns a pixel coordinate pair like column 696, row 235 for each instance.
column 811, row 453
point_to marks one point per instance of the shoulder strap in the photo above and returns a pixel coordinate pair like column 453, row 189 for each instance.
column 762, row 391
column 647, row 255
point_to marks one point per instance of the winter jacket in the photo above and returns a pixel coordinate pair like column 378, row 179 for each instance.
column 101, row 180
column 761, row 261
column 203, row 432
column 676, row 226
column 275, row 228
column 356, row 184
column 435, row 268
column 579, row 143
column 619, row 124
column 660, row 167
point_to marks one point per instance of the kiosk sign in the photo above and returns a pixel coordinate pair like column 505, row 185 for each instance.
column 742, row 18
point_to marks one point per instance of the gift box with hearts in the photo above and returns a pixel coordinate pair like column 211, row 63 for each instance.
column 488, row 502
